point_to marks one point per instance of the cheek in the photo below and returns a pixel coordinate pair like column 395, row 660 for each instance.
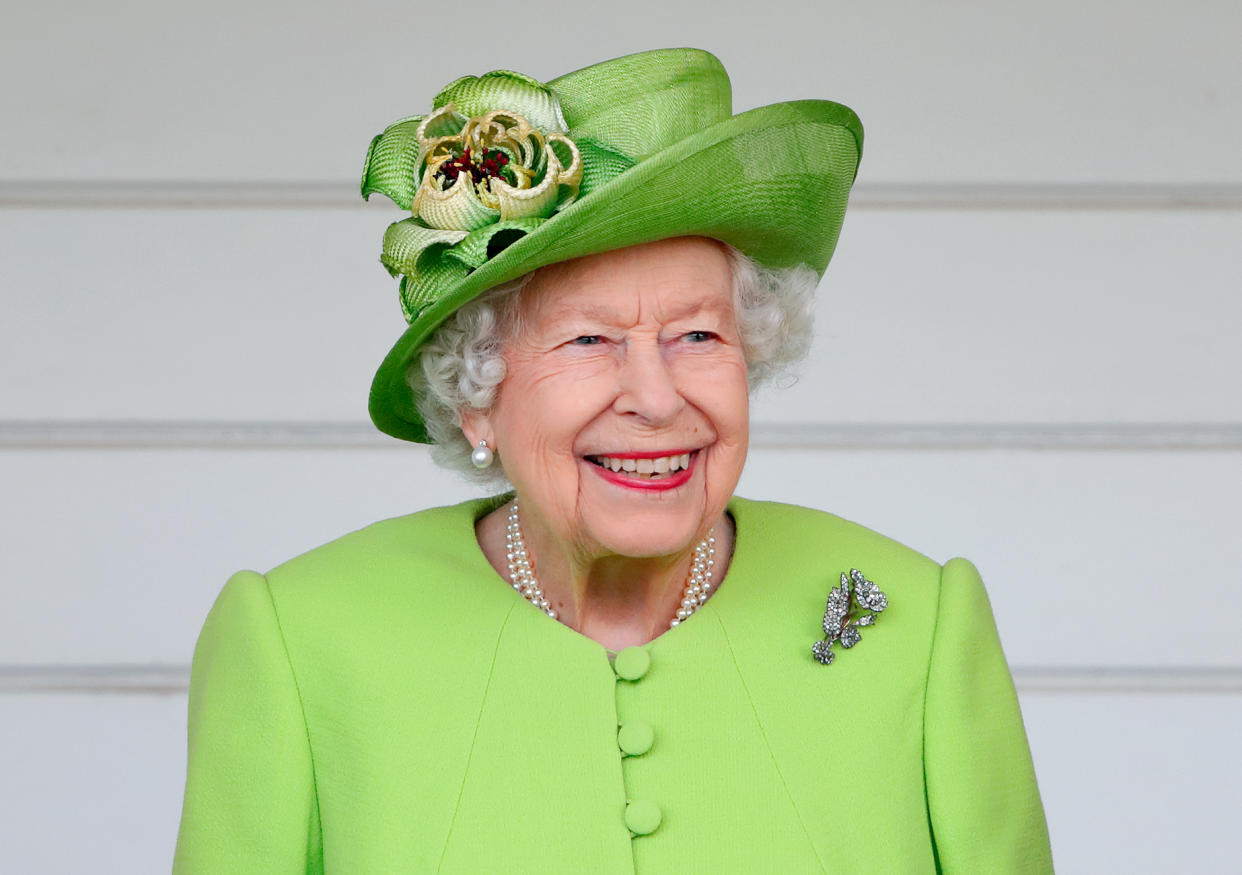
column 726, row 404
column 719, row 389
column 543, row 407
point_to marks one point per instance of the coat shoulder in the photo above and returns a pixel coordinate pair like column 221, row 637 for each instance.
column 809, row 532
column 381, row 593
column 805, row 551
column 413, row 552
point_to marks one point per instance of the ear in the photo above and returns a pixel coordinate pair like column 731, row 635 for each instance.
column 476, row 426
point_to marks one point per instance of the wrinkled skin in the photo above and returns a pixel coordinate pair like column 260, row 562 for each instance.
column 633, row 350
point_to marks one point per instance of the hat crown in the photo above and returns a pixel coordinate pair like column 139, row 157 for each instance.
column 645, row 102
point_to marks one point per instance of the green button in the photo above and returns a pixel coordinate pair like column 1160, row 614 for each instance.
column 635, row 737
column 632, row 663
column 642, row 817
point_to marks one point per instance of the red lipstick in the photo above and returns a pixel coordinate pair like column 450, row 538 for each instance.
column 648, row 484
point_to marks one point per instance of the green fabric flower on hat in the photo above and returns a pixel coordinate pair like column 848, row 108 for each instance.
column 494, row 167
column 490, row 162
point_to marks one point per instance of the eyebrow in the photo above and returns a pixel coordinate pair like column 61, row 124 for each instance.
column 607, row 315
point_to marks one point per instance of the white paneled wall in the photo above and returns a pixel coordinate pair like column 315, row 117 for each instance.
column 1080, row 549
column 1027, row 353
column 1058, row 91
column 927, row 315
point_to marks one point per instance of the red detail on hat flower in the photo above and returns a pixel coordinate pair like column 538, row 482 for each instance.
column 492, row 165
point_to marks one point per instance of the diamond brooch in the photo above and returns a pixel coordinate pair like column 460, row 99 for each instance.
column 844, row 615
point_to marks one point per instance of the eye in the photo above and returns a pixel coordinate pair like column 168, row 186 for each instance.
column 699, row 336
column 587, row 340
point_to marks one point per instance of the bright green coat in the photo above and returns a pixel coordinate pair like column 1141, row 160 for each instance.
column 387, row 704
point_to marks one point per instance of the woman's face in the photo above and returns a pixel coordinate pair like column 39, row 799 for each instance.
column 628, row 359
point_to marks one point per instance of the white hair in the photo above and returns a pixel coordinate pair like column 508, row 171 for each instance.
column 462, row 364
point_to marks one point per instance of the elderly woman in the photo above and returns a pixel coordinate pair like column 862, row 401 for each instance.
column 617, row 665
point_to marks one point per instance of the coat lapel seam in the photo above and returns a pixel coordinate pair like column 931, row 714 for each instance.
column 478, row 719
column 764, row 735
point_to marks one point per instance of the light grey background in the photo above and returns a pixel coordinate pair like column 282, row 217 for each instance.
column 1027, row 353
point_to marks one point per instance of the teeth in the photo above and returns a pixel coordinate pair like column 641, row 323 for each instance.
column 661, row 465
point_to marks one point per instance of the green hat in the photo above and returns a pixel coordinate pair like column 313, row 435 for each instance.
column 507, row 174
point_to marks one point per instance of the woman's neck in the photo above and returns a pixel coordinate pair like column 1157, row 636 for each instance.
column 618, row 601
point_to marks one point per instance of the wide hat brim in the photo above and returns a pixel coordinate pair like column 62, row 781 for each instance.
column 772, row 182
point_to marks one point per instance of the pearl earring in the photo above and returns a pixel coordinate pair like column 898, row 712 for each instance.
column 482, row 455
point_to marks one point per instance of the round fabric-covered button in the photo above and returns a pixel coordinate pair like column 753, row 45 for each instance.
column 635, row 737
column 632, row 663
column 642, row 817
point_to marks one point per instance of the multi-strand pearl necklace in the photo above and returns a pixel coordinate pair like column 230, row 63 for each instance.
column 522, row 574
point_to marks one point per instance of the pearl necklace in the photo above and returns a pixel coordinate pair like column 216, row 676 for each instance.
column 522, row 575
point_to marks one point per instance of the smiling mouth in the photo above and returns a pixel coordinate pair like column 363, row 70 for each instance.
column 643, row 466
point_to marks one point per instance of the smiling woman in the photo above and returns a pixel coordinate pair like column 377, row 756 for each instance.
column 617, row 665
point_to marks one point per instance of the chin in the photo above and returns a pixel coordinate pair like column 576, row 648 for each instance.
column 659, row 529
column 642, row 543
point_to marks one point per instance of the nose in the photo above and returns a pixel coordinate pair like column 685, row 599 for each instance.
column 646, row 385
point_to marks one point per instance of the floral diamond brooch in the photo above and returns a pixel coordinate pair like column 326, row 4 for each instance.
column 844, row 615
